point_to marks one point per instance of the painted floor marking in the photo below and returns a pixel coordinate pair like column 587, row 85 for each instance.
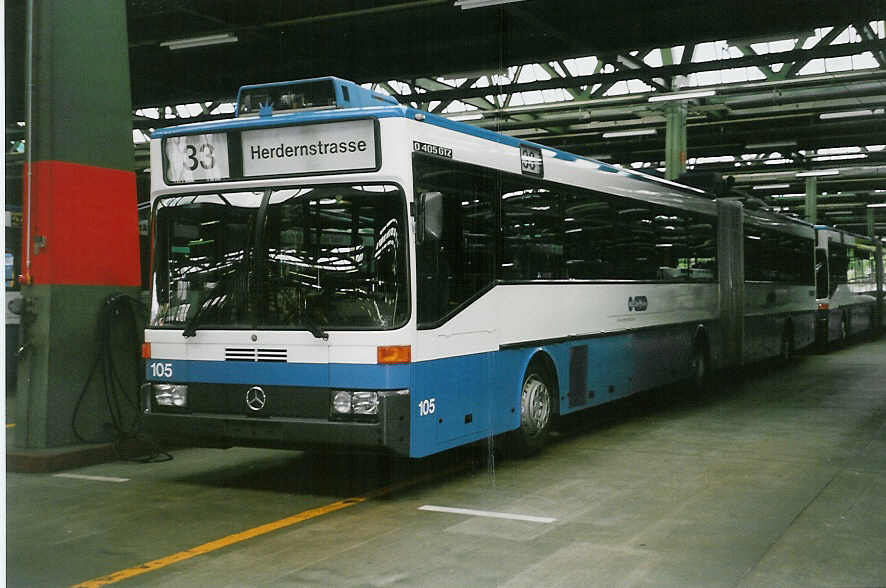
column 218, row 544
column 488, row 514
column 93, row 478
column 262, row 530
column 10, row 425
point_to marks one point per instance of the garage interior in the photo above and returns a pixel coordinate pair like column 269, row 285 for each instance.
column 777, row 478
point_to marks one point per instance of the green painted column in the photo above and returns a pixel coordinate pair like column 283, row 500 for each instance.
column 79, row 235
column 870, row 219
column 811, row 200
column 675, row 139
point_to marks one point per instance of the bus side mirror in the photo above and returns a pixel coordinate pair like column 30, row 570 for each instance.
column 430, row 216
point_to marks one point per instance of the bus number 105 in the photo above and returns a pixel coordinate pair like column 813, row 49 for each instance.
column 426, row 407
column 161, row 370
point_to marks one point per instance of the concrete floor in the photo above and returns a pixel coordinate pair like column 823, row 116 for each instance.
column 775, row 480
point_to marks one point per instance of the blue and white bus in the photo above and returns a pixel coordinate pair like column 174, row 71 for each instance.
column 849, row 285
column 332, row 268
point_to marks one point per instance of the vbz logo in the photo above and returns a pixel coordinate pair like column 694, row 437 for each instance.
column 638, row 303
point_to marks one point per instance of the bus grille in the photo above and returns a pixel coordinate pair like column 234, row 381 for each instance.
column 254, row 354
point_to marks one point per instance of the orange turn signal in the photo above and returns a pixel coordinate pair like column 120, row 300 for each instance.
column 824, row 306
column 146, row 350
column 395, row 354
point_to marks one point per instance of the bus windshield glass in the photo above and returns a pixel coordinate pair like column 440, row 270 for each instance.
column 313, row 258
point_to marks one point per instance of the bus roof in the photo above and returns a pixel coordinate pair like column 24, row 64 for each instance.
column 399, row 111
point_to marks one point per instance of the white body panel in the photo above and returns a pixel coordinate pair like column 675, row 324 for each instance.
column 514, row 313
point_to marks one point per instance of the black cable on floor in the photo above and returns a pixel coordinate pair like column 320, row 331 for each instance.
column 126, row 316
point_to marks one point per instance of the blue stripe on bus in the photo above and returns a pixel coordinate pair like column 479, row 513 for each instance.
column 459, row 400
column 343, row 375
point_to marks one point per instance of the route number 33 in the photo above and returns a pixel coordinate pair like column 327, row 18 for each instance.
column 199, row 156
column 427, row 407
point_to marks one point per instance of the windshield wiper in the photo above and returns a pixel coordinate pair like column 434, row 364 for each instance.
column 191, row 324
column 314, row 328
column 213, row 298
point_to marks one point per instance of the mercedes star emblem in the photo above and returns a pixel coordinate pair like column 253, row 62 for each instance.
column 255, row 398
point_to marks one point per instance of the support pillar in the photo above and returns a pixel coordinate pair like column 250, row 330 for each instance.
column 80, row 235
column 675, row 139
column 811, row 200
column 870, row 219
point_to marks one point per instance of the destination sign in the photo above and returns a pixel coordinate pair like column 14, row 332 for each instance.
column 347, row 146
column 314, row 149
column 196, row 158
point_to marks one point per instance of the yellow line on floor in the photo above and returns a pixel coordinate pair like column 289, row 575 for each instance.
column 10, row 425
column 258, row 531
column 219, row 543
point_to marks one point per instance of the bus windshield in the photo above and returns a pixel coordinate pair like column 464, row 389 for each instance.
column 314, row 258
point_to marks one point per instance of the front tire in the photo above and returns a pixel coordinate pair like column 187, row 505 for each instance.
column 536, row 410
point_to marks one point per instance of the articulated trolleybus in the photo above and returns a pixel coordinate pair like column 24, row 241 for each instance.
column 849, row 285
column 331, row 268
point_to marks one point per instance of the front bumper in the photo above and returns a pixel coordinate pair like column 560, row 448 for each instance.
column 210, row 429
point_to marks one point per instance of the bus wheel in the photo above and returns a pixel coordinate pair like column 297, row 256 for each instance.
column 536, row 410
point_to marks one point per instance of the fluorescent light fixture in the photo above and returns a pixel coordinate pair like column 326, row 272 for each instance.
column 820, row 172
column 463, row 116
column 631, row 133
column 878, row 205
column 771, row 186
column 850, row 113
column 770, row 145
column 468, row 4
column 840, row 157
column 199, row 41
column 681, row 95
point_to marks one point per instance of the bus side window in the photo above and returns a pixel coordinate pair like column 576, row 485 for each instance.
column 838, row 265
column 461, row 263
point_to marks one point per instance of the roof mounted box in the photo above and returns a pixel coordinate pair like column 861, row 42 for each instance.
column 312, row 94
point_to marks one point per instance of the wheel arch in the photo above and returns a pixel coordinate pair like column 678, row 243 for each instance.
column 542, row 357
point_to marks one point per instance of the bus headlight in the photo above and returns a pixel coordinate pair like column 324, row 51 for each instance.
column 365, row 402
column 171, row 395
column 353, row 403
column 341, row 402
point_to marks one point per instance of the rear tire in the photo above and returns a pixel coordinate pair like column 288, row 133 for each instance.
column 537, row 402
